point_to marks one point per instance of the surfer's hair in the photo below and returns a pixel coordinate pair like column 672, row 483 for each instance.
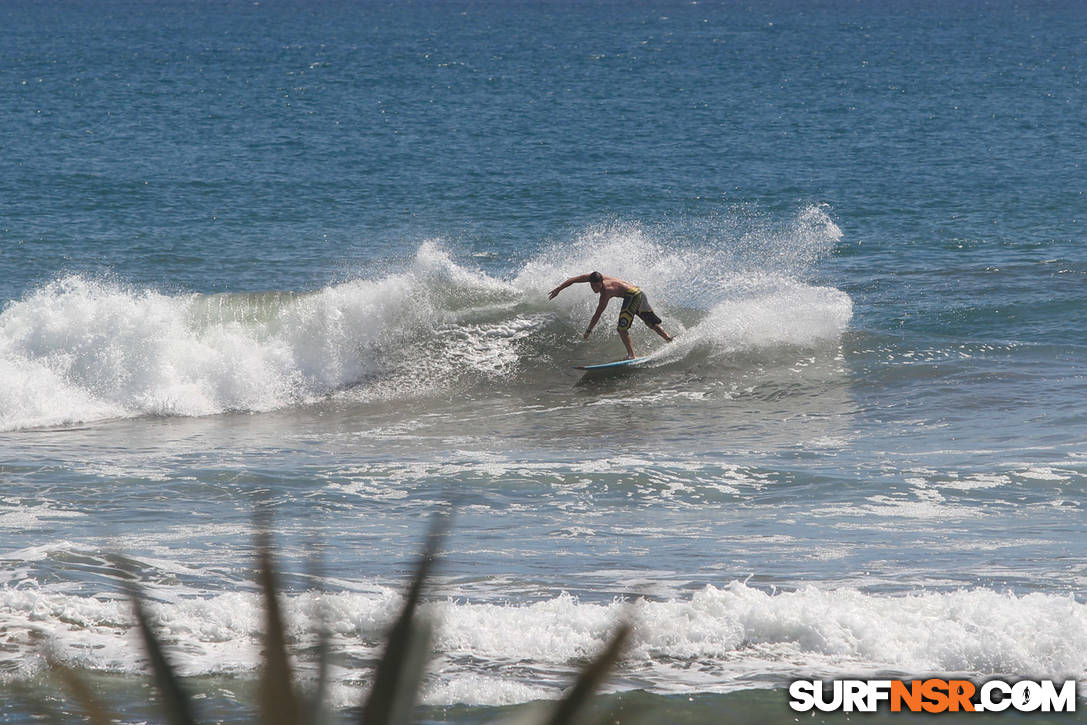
column 595, row 277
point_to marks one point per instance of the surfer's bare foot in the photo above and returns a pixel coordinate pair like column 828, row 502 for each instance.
column 661, row 331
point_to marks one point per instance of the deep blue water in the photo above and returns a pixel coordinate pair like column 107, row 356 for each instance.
column 300, row 254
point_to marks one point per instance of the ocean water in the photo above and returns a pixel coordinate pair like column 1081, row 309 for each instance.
column 292, row 256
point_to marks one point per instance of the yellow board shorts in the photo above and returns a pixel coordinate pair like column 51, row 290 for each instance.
column 635, row 303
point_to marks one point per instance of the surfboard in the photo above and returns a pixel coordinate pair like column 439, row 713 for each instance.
column 609, row 365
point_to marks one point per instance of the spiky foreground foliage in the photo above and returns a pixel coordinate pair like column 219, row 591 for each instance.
column 398, row 677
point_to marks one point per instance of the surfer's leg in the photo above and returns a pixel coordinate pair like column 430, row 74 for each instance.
column 626, row 317
column 654, row 323
column 625, row 336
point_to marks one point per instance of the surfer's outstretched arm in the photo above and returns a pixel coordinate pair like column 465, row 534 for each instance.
column 573, row 280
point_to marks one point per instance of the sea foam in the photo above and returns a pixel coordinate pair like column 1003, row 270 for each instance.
column 80, row 349
column 709, row 640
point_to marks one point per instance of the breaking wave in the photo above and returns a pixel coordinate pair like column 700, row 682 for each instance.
column 81, row 349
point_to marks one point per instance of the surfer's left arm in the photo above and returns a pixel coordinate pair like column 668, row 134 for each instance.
column 596, row 315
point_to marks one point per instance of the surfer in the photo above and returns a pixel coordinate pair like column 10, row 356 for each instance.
column 634, row 303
